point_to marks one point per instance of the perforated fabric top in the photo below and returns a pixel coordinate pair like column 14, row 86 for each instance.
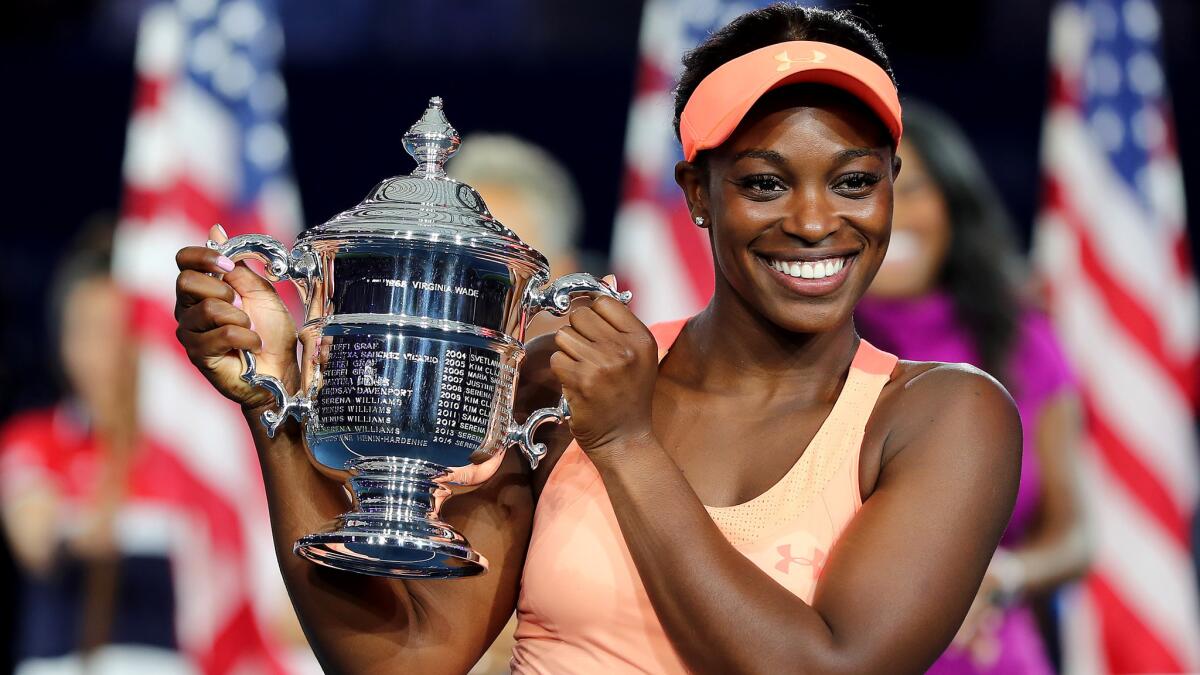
column 583, row 607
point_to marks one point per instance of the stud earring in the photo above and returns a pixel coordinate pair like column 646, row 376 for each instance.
column 699, row 220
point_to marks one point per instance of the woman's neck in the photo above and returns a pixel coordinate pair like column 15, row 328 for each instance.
column 734, row 349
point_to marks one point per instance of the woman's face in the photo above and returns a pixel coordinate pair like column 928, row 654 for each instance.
column 800, row 203
column 920, row 233
column 96, row 352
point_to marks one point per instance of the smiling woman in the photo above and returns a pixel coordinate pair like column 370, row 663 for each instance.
column 753, row 490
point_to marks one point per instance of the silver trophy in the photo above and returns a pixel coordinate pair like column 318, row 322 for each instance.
column 416, row 303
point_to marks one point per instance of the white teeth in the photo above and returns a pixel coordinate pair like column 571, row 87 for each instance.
column 809, row 270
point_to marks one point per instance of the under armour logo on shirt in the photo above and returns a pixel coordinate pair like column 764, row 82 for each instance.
column 786, row 559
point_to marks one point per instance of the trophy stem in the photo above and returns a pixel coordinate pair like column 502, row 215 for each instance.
column 395, row 529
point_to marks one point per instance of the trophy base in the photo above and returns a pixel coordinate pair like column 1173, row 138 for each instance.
column 395, row 531
column 400, row 549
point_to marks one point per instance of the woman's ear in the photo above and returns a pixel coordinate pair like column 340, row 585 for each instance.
column 692, row 180
column 896, row 164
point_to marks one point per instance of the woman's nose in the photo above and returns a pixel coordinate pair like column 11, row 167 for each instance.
column 812, row 217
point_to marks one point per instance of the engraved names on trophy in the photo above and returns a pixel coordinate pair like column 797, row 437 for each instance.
column 470, row 379
column 413, row 392
column 358, row 393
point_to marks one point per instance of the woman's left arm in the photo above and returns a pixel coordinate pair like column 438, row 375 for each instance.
column 1058, row 546
column 902, row 575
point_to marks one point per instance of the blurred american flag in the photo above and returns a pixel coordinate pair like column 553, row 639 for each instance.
column 657, row 251
column 1112, row 248
column 206, row 144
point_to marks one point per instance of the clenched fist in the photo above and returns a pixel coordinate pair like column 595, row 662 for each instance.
column 221, row 308
column 607, row 363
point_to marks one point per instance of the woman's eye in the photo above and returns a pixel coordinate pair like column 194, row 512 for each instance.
column 763, row 183
column 855, row 183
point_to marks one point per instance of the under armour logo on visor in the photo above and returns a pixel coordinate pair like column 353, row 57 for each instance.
column 816, row 562
column 785, row 62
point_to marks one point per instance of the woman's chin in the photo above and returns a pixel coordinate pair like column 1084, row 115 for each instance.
column 899, row 282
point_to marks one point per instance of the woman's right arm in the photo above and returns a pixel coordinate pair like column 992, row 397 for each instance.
column 355, row 623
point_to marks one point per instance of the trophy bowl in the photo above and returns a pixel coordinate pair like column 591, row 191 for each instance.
column 415, row 307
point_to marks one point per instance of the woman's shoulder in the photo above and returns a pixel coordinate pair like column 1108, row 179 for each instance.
column 934, row 385
column 932, row 404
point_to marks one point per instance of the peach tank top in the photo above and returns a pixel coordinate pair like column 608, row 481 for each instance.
column 583, row 608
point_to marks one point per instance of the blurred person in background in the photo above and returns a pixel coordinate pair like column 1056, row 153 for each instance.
column 532, row 194
column 950, row 289
column 79, row 493
column 99, row 518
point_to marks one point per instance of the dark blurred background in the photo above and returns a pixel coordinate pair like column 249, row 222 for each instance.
column 358, row 72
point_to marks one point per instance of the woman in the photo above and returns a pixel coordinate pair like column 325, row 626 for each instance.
column 93, row 508
column 946, row 292
column 640, row 546
column 81, row 495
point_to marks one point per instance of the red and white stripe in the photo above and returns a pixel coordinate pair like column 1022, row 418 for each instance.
column 657, row 251
column 1124, row 299
column 181, row 175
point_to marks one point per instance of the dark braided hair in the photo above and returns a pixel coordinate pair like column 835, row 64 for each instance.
column 780, row 22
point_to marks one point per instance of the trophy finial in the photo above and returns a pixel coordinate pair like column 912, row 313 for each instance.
column 431, row 141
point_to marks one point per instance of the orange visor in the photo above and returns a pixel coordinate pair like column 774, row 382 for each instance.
column 724, row 97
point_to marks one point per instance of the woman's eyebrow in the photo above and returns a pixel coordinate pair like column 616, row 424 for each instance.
column 855, row 153
column 765, row 155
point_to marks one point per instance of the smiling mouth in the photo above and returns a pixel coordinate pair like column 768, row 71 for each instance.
column 824, row 268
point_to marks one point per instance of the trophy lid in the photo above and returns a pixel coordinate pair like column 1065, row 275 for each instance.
column 427, row 205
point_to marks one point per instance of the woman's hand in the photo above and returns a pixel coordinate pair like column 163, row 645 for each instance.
column 1002, row 584
column 607, row 363
column 221, row 308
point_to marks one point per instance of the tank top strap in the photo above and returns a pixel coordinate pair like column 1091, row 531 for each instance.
column 874, row 361
column 842, row 434
column 869, row 372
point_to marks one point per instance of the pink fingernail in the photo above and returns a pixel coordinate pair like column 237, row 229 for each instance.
column 237, row 301
column 222, row 230
column 225, row 263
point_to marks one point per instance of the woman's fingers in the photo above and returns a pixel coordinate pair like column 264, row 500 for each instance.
column 246, row 282
column 212, row 313
column 192, row 287
column 569, row 341
column 589, row 324
column 202, row 259
column 617, row 315
column 218, row 341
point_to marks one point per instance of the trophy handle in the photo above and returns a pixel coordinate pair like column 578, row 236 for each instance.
column 298, row 266
column 556, row 297
column 521, row 435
